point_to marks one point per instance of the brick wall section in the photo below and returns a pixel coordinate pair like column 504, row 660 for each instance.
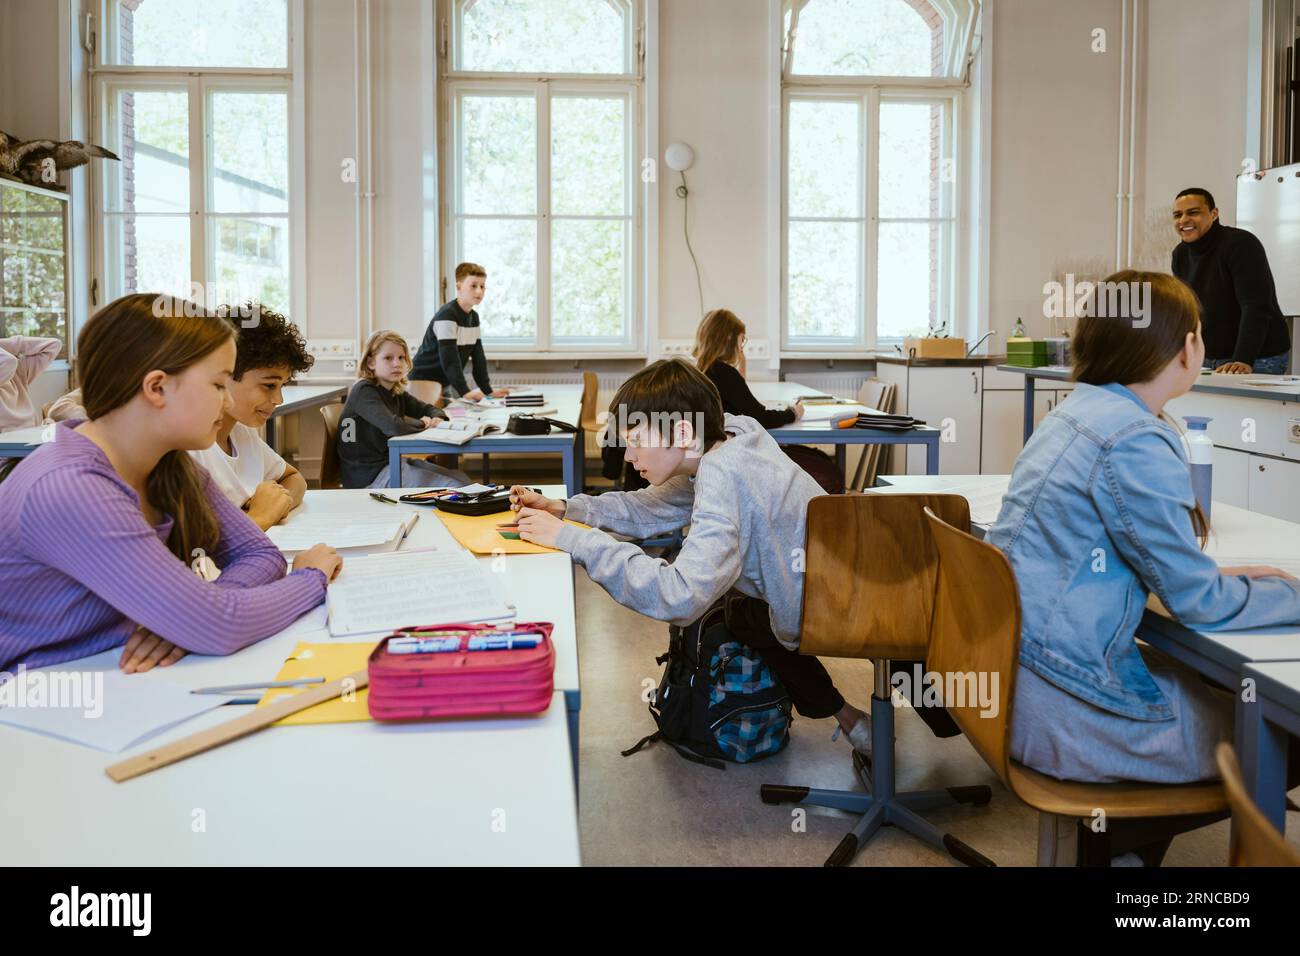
column 126, row 54
column 935, row 22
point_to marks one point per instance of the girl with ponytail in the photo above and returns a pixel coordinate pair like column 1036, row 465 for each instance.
column 104, row 527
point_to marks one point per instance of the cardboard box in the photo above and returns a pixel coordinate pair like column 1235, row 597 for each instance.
column 935, row 348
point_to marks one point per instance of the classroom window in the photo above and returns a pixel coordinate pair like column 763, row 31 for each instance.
column 539, row 169
column 870, row 154
column 877, row 38
column 201, row 196
column 211, row 33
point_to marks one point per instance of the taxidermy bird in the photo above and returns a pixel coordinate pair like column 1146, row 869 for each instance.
column 38, row 162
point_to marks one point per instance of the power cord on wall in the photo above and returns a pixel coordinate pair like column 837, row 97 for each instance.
column 684, row 193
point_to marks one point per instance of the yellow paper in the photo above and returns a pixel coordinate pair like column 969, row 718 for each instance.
column 479, row 533
column 331, row 661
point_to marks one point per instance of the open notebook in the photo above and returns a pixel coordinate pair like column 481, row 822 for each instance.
column 344, row 532
column 458, row 431
column 384, row 592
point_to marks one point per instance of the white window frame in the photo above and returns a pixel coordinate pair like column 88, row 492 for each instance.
column 870, row 92
column 108, row 78
column 543, row 88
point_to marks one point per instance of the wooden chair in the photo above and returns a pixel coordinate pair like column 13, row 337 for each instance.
column 428, row 392
column 1254, row 840
column 878, row 394
column 869, row 593
column 977, row 630
column 330, row 476
column 588, row 419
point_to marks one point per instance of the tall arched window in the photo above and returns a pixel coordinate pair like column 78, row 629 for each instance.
column 541, row 106
column 193, row 95
column 870, row 91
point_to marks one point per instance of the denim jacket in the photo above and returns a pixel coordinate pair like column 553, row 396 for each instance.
column 1096, row 518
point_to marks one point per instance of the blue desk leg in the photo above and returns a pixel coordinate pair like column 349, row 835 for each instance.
column 569, row 457
column 572, row 704
column 580, row 459
column 394, row 467
column 1261, row 749
column 1029, row 406
column 932, row 455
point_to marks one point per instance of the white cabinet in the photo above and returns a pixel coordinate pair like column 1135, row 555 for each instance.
column 1264, row 485
column 1272, row 487
column 1231, row 477
column 1002, row 431
column 1002, row 425
column 947, row 398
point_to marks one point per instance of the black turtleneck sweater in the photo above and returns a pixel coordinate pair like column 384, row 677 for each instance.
column 1228, row 270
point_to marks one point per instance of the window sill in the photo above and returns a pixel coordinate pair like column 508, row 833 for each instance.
column 854, row 354
column 498, row 356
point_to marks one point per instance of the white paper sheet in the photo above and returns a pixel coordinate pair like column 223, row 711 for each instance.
column 388, row 591
column 102, row 707
column 300, row 532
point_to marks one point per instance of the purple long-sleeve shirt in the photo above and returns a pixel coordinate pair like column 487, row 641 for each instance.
column 80, row 566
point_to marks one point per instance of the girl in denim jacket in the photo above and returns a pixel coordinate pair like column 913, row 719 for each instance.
column 1099, row 515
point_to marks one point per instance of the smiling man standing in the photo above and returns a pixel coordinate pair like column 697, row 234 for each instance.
column 1228, row 270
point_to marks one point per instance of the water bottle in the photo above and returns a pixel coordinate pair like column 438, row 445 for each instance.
column 1200, row 457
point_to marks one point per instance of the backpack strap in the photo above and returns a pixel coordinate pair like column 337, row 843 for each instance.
column 682, row 751
column 657, row 735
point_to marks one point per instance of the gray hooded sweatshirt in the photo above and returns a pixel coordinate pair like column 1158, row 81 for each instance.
column 747, row 507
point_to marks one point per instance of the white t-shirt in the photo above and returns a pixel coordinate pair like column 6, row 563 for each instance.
column 239, row 475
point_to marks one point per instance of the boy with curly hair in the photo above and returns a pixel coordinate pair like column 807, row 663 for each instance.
column 269, row 353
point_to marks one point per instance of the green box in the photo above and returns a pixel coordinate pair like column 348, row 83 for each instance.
column 1027, row 353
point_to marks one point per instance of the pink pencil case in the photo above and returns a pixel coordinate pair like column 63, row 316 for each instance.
column 462, row 683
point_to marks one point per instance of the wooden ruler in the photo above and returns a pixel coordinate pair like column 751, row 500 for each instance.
column 241, row 726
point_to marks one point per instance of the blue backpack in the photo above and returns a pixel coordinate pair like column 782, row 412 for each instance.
column 718, row 700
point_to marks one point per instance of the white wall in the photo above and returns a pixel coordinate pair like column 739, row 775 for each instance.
column 1055, row 134
column 714, row 96
column 31, row 107
column 29, row 68
column 1196, row 70
column 1054, row 141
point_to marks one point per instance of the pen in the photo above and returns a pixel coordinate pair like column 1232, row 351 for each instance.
column 258, row 685
column 407, row 532
column 385, row 498
column 503, row 643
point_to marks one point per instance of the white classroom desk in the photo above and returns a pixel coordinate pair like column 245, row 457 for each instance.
column 566, row 400
column 299, row 398
column 823, row 433
column 21, row 442
column 1223, row 656
column 540, row 586
column 364, row 792
column 786, row 392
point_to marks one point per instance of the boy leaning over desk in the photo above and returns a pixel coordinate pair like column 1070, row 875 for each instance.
column 746, row 503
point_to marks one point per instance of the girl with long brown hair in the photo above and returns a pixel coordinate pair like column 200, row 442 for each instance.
column 720, row 354
column 105, row 526
column 1100, row 514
